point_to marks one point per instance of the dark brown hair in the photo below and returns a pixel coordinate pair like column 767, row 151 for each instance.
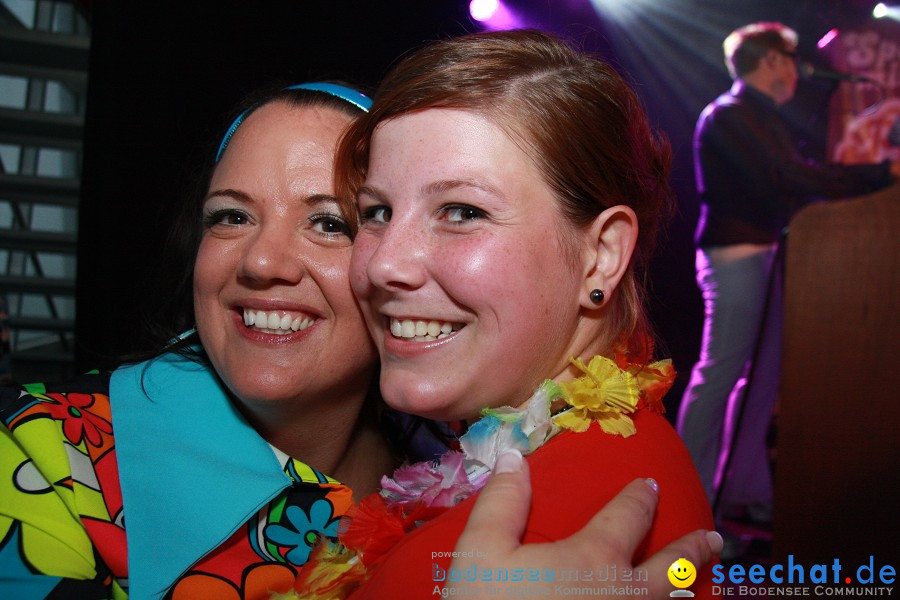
column 174, row 311
column 571, row 113
column 746, row 46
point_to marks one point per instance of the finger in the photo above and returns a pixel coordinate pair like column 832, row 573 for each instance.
column 616, row 531
column 698, row 547
column 500, row 513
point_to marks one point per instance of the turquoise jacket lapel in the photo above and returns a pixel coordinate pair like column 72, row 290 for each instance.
column 192, row 470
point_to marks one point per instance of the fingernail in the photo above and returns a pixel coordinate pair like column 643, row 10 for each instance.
column 509, row 461
column 652, row 483
column 715, row 541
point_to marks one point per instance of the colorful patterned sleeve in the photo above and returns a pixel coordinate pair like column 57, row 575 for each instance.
column 61, row 529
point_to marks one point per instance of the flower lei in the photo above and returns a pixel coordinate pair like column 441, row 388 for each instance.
column 607, row 393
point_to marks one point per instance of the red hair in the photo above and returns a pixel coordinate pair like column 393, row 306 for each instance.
column 572, row 114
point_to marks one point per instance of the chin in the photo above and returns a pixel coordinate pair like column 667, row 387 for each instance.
column 262, row 388
column 422, row 400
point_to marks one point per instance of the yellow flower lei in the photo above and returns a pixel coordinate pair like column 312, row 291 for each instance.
column 607, row 394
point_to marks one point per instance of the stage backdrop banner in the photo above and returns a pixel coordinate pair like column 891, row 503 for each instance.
column 864, row 121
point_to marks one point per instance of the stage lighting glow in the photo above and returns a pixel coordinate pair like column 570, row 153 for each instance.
column 483, row 10
column 827, row 38
column 494, row 15
column 883, row 10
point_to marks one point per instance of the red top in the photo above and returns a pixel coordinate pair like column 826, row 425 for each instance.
column 572, row 476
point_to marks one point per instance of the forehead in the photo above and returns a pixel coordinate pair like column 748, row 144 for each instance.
column 279, row 136
column 442, row 140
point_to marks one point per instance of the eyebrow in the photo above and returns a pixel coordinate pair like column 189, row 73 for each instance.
column 314, row 200
column 317, row 199
column 438, row 187
column 368, row 190
column 230, row 193
column 445, row 185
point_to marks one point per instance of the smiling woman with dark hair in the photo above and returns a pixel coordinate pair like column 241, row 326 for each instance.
column 223, row 458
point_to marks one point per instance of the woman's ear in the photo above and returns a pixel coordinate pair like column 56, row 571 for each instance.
column 613, row 237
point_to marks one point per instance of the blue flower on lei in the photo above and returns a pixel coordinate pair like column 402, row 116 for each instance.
column 524, row 429
column 304, row 530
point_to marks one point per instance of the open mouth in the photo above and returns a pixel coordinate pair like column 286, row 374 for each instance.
column 277, row 322
column 423, row 331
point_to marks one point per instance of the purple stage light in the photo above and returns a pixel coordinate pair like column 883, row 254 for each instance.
column 483, row 10
column 827, row 38
column 493, row 15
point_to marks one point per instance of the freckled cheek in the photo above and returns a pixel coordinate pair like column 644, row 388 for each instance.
column 496, row 271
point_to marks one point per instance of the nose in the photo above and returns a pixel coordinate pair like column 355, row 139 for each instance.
column 272, row 257
column 396, row 256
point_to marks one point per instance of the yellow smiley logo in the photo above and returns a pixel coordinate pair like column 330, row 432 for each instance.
column 682, row 573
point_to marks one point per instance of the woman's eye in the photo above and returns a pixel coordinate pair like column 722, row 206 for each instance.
column 330, row 225
column 376, row 214
column 228, row 217
column 459, row 213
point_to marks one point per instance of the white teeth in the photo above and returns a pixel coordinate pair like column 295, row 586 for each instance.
column 276, row 322
column 407, row 329
column 434, row 328
column 423, row 331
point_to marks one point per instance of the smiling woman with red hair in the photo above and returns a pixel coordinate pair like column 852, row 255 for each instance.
column 510, row 190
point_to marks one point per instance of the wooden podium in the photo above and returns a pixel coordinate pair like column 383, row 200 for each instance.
column 837, row 480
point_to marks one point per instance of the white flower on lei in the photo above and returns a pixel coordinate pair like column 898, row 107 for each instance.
column 524, row 429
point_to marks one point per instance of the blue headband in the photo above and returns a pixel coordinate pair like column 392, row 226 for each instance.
column 357, row 99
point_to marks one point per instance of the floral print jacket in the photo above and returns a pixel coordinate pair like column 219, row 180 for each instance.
column 212, row 510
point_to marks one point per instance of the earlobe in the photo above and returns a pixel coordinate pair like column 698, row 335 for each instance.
column 614, row 236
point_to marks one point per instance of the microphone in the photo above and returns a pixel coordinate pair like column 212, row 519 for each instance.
column 808, row 70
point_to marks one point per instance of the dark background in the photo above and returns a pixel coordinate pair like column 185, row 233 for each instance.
column 165, row 75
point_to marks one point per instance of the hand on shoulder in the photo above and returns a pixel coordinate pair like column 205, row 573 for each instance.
column 609, row 539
